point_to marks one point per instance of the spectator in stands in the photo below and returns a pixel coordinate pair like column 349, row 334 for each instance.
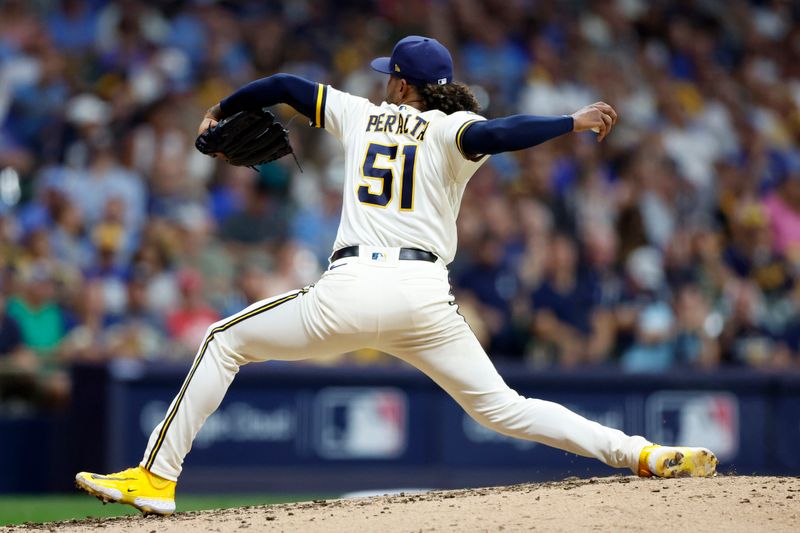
column 138, row 333
column 162, row 151
column 294, row 266
column 153, row 260
column 644, row 316
column 39, row 94
column 491, row 281
column 106, row 181
column 680, row 263
column 535, row 224
column 18, row 365
column 41, row 319
column 315, row 224
column 493, row 59
column 783, row 208
column 87, row 120
column 566, row 314
column 689, row 140
column 539, row 171
column 107, row 270
column 42, row 324
column 250, row 285
column 658, row 203
column 600, row 252
column 747, row 338
column 653, row 347
column 750, row 254
column 262, row 219
column 697, row 329
column 629, row 223
column 86, row 340
column 589, row 191
column 68, row 239
column 73, row 26
column 201, row 249
column 188, row 323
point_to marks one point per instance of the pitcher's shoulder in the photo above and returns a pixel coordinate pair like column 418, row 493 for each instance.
column 463, row 116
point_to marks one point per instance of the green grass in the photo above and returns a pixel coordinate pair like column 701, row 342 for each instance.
column 20, row 509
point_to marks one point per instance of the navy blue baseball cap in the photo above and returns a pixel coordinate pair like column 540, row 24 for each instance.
column 419, row 60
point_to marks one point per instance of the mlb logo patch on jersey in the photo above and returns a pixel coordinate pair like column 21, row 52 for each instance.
column 378, row 256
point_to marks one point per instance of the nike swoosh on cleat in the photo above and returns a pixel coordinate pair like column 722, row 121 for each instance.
column 131, row 490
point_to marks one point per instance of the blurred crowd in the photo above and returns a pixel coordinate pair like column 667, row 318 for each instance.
column 675, row 242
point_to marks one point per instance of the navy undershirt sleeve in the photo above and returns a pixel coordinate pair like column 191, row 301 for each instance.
column 278, row 89
column 512, row 133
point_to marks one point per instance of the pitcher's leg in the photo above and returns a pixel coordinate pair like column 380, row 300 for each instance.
column 270, row 329
column 458, row 364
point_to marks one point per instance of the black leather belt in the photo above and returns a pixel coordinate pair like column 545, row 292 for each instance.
column 406, row 254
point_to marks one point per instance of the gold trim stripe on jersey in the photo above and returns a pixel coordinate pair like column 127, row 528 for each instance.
column 219, row 329
column 460, row 132
column 319, row 114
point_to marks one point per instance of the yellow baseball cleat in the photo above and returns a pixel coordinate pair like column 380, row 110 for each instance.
column 135, row 486
column 677, row 461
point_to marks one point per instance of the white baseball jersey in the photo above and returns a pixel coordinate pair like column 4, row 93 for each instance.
column 405, row 172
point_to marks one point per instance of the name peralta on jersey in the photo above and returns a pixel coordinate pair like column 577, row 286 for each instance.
column 405, row 172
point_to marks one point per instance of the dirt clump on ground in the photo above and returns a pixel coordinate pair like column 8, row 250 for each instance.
column 720, row 504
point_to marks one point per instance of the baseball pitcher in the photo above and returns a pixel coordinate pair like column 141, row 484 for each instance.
column 408, row 161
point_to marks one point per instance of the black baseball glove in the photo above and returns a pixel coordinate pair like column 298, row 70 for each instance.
column 247, row 139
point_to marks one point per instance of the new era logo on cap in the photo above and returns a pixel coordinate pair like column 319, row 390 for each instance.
column 421, row 60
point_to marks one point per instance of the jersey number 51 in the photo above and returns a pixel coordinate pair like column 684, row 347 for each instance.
column 376, row 168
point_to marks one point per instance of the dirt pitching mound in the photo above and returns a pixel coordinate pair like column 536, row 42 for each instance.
column 725, row 503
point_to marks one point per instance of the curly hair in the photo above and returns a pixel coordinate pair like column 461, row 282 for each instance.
column 449, row 98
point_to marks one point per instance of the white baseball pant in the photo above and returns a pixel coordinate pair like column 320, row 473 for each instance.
column 400, row 307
